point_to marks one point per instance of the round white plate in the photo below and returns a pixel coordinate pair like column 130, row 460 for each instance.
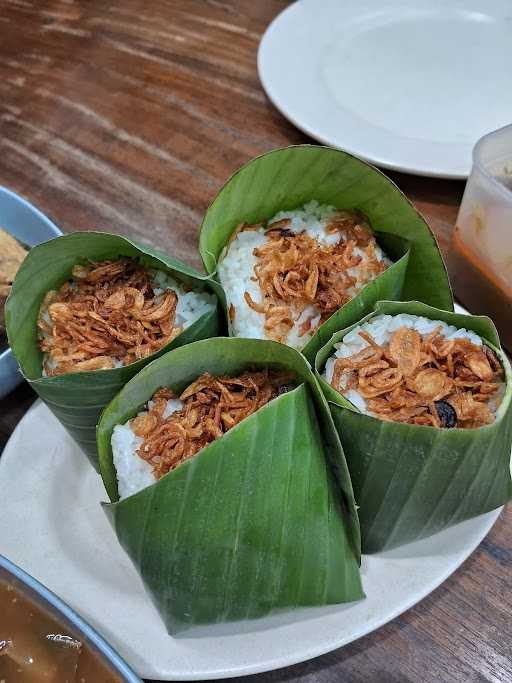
column 51, row 524
column 407, row 84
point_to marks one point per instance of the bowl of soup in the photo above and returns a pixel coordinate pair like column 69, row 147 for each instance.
column 43, row 640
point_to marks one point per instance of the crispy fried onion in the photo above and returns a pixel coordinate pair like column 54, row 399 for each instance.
column 108, row 311
column 211, row 407
column 402, row 381
column 295, row 270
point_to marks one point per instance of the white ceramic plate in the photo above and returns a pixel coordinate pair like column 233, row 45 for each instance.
column 51, row 524
column 407, row 84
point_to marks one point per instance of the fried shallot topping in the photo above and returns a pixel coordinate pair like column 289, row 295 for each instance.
column 295, row 270
column 211, row 406
column 108, row 311
column 424, row 380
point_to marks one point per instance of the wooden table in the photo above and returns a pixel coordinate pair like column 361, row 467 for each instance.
column 128, row 116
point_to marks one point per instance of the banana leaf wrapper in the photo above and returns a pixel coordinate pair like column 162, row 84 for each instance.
column 285, row 179
column 77, row 399
column 411, row 481
column 259, row 520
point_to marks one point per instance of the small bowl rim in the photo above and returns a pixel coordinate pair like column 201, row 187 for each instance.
column 6, row 355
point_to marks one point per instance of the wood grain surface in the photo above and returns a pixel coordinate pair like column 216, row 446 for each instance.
column 127, row 117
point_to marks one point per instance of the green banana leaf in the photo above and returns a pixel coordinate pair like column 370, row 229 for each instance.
column 285, row 179
column 411, row 481
column 255, row 521
column 77, row 399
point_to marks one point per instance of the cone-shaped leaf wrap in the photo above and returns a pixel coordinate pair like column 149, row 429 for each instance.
column 257, row 520
column 411, row 481
column 285, row 179
column 77, row 399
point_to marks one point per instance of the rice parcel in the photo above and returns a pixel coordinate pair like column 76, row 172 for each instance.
column 111, row 313
column 171, row 430
column 209, row 497
column 410, row 369
column 284, row 278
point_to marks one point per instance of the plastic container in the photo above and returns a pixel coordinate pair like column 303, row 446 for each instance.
column 481, row 255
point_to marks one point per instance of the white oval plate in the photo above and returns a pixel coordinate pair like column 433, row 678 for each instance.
column 51, row 524
column 406, row 84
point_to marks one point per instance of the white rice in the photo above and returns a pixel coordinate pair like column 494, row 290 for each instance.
column 134, row 473
column 190, row 307
column 381, row 329
column 236, row 271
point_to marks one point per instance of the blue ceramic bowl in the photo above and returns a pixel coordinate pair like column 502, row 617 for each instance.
column 28, row 225
column 108, row 657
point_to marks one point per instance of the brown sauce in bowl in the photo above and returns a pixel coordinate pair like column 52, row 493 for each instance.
column 37, row 644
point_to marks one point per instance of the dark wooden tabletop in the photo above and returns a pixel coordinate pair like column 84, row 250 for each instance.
column 127, row 117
